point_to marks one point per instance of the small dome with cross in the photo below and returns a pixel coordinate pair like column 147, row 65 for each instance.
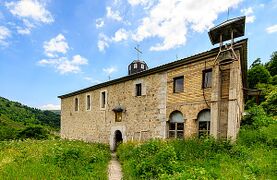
column 137, row 66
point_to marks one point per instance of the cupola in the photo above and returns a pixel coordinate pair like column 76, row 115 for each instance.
column 137, row 66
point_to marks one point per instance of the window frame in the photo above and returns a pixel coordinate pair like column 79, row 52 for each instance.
column 206, row 128
column 135, row 66
column 90, row 102
column 103, row 101
column 206, row 131
column 138, row 89
column 174, row 84
column 204, row 84
column 176, row 130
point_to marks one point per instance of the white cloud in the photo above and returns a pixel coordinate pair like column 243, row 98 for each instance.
column 271, row 29
column 110, row 70
column 28, row 26
column 23, row 31
column 171, row 20
column 138, row 2
column 64, row 65
column 120, row 35
column 55, row 45
column 31, row 9
column 103, row 42
column 4, row 34
column 51, row 107
column 248, row 12
column 99, row 23
column 115, row 15
column 79, row 60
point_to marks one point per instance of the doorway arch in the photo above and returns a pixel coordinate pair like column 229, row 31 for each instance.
column 118, row 139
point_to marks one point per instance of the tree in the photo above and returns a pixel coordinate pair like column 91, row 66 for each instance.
column 272, row 64
column 258, row 74
column 270, row 105
column 256, row 63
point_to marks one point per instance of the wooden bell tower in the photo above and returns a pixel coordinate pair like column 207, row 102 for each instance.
column 225, row 109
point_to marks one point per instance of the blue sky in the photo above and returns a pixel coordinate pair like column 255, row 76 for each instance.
column 52, row 47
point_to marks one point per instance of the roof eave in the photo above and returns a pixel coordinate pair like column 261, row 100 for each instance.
column 198, row 57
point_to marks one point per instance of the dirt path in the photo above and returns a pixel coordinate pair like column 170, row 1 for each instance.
column 114, row 169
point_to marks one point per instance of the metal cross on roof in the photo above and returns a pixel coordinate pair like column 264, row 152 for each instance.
column 138, row 51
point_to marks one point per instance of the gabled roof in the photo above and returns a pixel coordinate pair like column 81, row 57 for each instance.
column 237, row 25
column 240, row 45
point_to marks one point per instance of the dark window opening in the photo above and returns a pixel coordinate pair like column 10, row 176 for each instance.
column 204, row 119
column 176, row 125
column 207, row 78
column 204, row 128
column 178, row 84
column 76, row 104
column 176, row 130
column 88, row 102
column 103, row 99
column 138, row 89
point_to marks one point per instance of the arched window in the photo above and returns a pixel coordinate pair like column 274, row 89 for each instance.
column 176, row 125
column 204, row 119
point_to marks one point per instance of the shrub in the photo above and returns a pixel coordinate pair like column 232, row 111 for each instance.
column 7, row 133
column 270, row 104
column 273, row 80
column 264, row 135
column 256, row 117
column 33, row 132
column 53, row 159
column 148, row 160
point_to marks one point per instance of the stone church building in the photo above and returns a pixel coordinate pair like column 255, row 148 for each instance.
column 194, row 96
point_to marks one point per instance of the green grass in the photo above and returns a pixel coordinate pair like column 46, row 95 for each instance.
column 254, row 156
column 53, row 159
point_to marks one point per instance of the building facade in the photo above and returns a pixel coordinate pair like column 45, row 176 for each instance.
column 193, row 96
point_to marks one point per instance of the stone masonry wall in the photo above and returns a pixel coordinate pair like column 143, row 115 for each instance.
column 147, row 116
column 191, row 101
column 143, row 113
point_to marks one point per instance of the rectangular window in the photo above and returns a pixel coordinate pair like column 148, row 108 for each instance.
column 142, row 66
column 103, row 99
column 178, row 85
column 76, row 104
column 135, row 66
column 176, row 130
column 207, row 78
column 138, row 89
column 204, row 128
column 88, row 102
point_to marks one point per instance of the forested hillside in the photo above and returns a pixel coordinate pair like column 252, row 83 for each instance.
column 16, row 118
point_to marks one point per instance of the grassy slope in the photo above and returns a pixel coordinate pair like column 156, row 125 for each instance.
column 53, row 159
column 253, row 156
column 15, row 116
